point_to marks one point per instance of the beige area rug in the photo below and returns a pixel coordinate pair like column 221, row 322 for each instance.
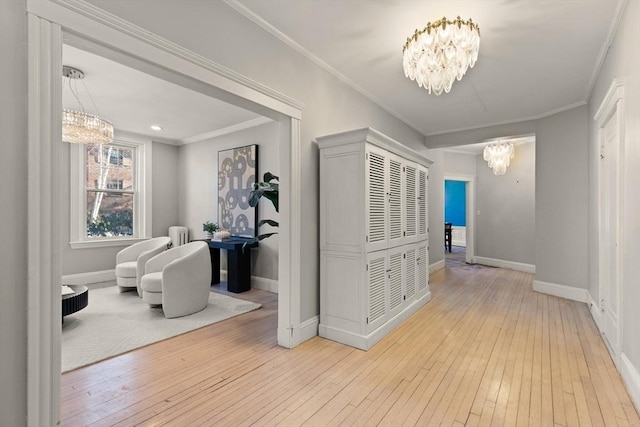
column 114, row 323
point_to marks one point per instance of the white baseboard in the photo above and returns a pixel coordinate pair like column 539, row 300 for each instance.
column 595, row 312
column 89, row 278
column 264, row 284
column 365, row 342
column 438, row 265
column 562, row 291
column 305, row 331
column 462, row 243
column 631, row 378
column 501, row 263
column 257, row 282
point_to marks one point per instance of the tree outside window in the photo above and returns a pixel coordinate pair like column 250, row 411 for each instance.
column 110, row 190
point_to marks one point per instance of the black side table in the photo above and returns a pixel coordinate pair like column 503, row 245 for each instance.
column 76, row 301
column 238, row 262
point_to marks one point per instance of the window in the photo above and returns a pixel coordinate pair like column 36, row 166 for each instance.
column 110, row 193
column 116, row 156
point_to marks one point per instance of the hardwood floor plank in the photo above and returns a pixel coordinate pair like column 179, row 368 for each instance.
column 557, row 383
column 486, row 350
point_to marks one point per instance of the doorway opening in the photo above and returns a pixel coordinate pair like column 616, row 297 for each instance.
column 49, row 25
column 459, row 207
column 455, row 219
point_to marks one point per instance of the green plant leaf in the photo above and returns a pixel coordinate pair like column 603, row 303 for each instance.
column 264, row 236
column 268, row 177
column 273, row 196
column 268, row 221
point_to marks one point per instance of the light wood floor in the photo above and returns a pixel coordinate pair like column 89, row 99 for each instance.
column 485, row 351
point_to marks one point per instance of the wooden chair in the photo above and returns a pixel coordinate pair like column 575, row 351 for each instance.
column 447, row 235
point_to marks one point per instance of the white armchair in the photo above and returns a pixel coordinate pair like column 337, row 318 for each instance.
column 178, row 279
column 130, row 261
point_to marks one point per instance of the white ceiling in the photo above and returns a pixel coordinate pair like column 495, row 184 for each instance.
column 133, row 101
column 536, row 56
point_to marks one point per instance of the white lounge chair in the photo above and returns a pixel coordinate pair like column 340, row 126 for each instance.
column 178, row 279
column 130, row 262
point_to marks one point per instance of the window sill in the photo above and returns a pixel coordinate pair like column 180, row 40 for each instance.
column 105, row 243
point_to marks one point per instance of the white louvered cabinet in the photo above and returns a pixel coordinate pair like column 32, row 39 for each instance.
column 373, row 236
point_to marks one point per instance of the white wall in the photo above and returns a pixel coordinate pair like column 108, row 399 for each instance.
column 622, row 61
column 562, row 196
column 561, row 189
column 459, row 163
column 198, row 168
column 165, row 180
column 436, row 206
column 13, row 212
column 505, row 228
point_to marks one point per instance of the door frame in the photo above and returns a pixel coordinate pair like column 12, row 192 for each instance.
column 48, row 21
column 612, row 104
column 470, row 200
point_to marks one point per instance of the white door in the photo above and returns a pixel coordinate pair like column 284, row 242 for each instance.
column 411, row 277
column 411, row 202
column 610, row 235
column 395, row 195
column 423, row 220
column 422, row 264
column 376, row 191
column 396, row 275
column 377, row 295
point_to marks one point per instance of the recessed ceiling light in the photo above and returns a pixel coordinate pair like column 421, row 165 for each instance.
column 156, row 128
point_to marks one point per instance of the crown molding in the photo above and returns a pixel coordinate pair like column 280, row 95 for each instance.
column 460, row 151
column 258, row 20
column 227, row 130
column 613, row 30
column 509, row 122
column 112, row 21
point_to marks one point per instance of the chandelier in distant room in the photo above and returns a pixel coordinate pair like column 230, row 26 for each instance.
column 79, row 127
column 499, row 155
column 441, row 53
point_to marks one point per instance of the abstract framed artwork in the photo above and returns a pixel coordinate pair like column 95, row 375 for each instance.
column 237, row 172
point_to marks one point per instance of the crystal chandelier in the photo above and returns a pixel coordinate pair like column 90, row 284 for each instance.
column 79, row 127
column 441, row 53
column 499, row 155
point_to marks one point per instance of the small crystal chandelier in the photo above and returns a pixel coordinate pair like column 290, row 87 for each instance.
column 499, row 156
column 79, row 127
column 441, row 53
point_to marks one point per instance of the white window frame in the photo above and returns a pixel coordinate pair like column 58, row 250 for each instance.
column 142, row 197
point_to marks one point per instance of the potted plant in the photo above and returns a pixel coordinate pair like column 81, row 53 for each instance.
column 210, row 228
column 269, row 189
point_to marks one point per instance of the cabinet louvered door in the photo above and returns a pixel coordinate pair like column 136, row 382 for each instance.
column 377, row 295
column 377, row 198
column 422, row 264
column 396, row 280
column 395, row 200
column 411, row 274
column 423, row 221
column 411, row 202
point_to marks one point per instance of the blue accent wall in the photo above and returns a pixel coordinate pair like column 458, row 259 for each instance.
column 455, row 206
